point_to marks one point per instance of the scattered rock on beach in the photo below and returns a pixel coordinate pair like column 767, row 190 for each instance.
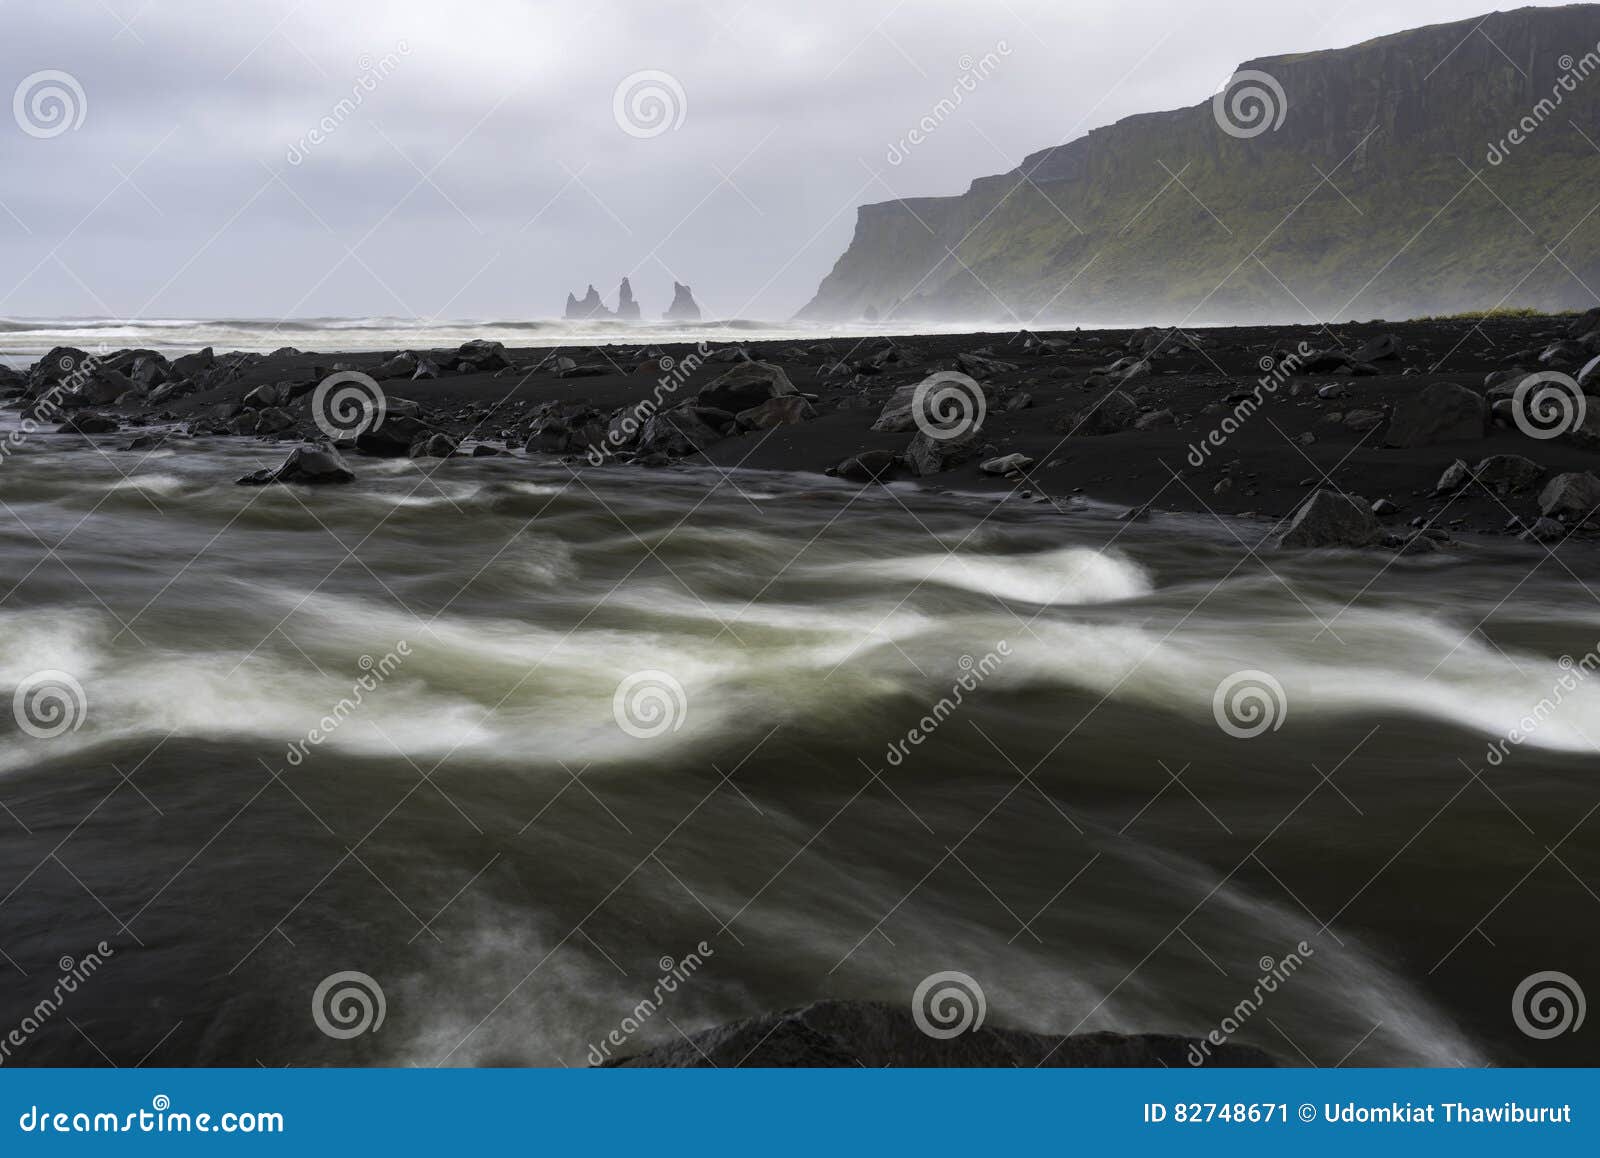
column 1443, row 412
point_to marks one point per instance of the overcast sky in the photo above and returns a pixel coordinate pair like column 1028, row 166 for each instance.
column 487, row 167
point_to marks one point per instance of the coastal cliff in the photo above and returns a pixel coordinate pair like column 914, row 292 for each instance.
column 1457, row 157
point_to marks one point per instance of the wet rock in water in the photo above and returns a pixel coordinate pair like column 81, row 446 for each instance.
column 481, row 355
column 393, row 438
column 926, row 455
column 1330, row 519
column 868, row 466
column 433, row 446
column 1006, row 464
column 90, row 424
column 870, row 1033
column 61, row 364
column 789, row 410
column 484, row 450
column 1443, row 412
column 1154, row 419
column 1545, row 530
column 1113, row 413
column 683, row 307
column 1384, row 507
column 1570, row 496
column 426, row 368
column 309, row 465
column 1509, row 474
column 747, row 385
column 147, row 442
column 1455, row 476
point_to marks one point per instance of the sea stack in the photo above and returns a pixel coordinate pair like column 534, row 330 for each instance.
column 589, row 307
column 683, row 307
column 627, row 308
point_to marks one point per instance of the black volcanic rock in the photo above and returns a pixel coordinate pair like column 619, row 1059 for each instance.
column 683, row 307
column 874, row 1034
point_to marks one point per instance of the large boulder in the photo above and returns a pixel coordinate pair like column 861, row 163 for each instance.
column 926, row 455
column 309, row 465
column 788, row 410
column 1570, row 496
column 393, row 438
column 1443, row 412
column 747, row 385
column 681, row 431
column 1330, row 519
column 847, row 1034
column 1378, row 349
column 481, row 355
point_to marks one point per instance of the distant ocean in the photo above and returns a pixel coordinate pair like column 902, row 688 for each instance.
column 24, row 340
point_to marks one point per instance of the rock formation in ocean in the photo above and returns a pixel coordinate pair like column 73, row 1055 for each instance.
column 589, row 307
column 683, row 307
column 627, row 308
column 1421, row 172
column 873, row 1034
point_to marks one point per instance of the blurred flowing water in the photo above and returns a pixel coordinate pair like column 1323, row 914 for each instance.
column 515, row 868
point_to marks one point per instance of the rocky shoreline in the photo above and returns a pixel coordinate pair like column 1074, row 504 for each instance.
column 872, row 1033
column 1400, row 435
